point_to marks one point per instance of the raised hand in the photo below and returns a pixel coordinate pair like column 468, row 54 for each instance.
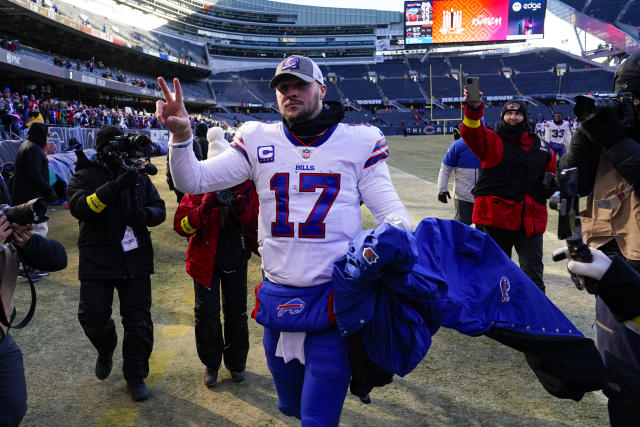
column 5, row 228
column 472, row 104
column 21, row 234
column 172, row 113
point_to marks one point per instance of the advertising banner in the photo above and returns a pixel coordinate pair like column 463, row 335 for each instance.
column 463, row 21
column 526, row 19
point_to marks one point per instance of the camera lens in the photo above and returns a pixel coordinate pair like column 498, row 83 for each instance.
column 469, row 80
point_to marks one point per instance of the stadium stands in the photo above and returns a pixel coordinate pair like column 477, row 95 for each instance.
column 606, row 11
column 632, row 14
column 401, row 88
column 359, row 88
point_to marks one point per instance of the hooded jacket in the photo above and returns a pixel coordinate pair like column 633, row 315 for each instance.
column 103, row 224
column 505, row 209
column 31, row 174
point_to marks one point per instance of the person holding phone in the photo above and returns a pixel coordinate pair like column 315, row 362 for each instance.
column 511, row 192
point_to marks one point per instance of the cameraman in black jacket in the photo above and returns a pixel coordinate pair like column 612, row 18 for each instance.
column 114, row 207
column 606, row 152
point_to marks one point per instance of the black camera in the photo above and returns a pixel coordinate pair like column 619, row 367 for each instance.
column 226, row 197
column 130, row 145
column 589, row 106
column 31, row 212
column 129, row 148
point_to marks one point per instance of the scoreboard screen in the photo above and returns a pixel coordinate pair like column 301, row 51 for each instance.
column 460, row 21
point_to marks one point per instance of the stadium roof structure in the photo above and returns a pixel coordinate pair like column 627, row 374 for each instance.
column 40, row 27
column 623, row 38
column 268, row 31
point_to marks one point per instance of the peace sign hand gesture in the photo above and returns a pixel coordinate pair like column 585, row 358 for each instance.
column 172, row 113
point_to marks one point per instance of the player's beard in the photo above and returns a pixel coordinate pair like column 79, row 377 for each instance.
column 310, row 111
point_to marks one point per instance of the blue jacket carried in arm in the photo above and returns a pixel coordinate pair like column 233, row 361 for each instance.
column 395, row 289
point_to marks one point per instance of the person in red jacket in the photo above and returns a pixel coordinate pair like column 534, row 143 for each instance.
column 511, row 191
column 222, row 228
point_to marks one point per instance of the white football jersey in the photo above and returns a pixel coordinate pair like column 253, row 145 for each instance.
column 558, row 133
column 309, row 195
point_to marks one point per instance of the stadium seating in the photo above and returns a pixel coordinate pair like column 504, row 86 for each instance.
column 542, row 83
column 355, row 88
column 477, row 65
column 438, row 66
column 400, row 88
column 178, row 47
column 587, row 81
column 390, row 69
column 606, row 11
column 632, row 15
column 576, row 4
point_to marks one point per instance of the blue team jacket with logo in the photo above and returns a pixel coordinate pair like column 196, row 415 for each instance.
column 399, row 288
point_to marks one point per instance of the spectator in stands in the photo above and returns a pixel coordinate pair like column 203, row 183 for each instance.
column 510, row 195
column 7, row 112
column 31, row 174
column 464, row 165
column 201, row 144
column 607, row 155
column 35, row 117
column 114, row 207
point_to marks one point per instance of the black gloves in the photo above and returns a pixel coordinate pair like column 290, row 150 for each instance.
column 240, row 204
column 124, row 181
column 52, row 196
column 605, row 129
column 443, row 196
column 138, row 218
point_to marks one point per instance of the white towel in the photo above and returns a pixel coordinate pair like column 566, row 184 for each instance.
column 291, row 346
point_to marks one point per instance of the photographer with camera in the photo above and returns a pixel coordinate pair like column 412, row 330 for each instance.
column 511, row 192
column 114, row 203
column 615, row 282
column 18, row 243
column 222, row 228
column 606, row 150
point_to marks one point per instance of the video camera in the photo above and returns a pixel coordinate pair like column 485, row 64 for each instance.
column 566, row 201
column 590, row 106
column 31, row 212
column 129, row 149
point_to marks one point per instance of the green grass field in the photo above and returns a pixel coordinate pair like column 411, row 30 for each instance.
column 462, row 381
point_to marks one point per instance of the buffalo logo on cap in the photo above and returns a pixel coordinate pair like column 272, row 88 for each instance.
column 512, row 106
column 291, row 63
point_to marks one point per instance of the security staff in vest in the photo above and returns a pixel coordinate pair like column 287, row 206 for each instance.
column 114, row 207
column 606, row 151
column 511, row 192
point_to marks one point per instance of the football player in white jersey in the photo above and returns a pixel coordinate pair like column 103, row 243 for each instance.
column 557, row 133
column 311, row 174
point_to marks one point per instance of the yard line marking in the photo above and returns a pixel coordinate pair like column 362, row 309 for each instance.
column 158, row 363
column 118, row 417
